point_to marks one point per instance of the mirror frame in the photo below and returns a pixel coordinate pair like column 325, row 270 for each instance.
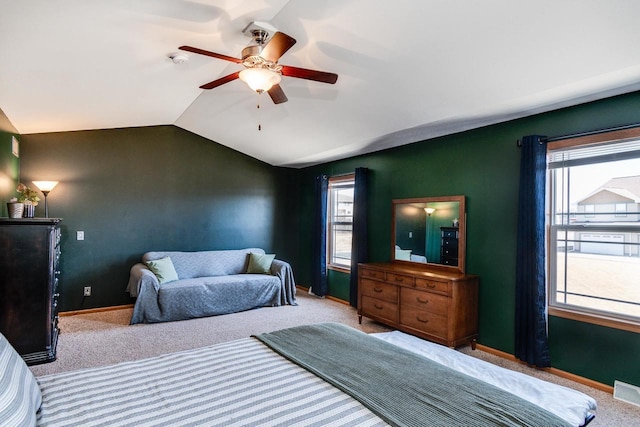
column 462, row 232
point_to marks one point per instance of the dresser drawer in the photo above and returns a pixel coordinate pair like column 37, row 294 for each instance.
column 427, row 301
column 430, row 323
column 450, row 234
column 450, row 243
column 379, row 290
column 449, row 252
column 372, row 274
column 385, row 310
column 432, row 285
column 449, row 261
column 400, row 279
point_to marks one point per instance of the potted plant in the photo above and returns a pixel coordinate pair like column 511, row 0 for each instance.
column 15, row 208
column 29, row 198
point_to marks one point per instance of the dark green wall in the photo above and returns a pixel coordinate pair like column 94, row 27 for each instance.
column 154, row 188
column 139, row 189
column 338, row 284
column 9, row 164
column 483, row 164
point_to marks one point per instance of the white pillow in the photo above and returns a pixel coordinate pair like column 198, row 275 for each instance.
column 20, row 396
column 403, row 254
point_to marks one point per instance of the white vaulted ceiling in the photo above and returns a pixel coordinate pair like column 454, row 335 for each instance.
column 408, row 70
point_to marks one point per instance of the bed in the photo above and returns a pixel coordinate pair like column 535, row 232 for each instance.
column 323, row 374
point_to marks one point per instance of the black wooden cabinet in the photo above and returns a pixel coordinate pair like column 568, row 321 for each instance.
column 29, row 279
column 449, row 245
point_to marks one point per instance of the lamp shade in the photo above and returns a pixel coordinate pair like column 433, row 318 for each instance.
column 45, row 185
column 260, row 79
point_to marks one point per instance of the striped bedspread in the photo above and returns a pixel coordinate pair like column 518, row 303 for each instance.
column 403, row 388
column 241, row 383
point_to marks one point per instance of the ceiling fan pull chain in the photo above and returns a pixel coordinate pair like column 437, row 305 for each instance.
column 258, row 113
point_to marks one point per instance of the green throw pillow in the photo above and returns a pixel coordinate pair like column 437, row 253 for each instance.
column 163, row 269
column 260, row 264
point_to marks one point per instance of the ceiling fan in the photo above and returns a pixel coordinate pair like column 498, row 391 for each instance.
column 262, row 72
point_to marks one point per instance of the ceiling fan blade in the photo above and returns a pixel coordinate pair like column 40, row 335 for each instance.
column 212, row 54
column 277, row 94
column 277, row 46
column 303, row 73
column 220, row 81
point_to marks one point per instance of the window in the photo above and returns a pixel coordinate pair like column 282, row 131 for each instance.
column 589, row 211
column 621, row 209
column 340, row 218
column 594, row 230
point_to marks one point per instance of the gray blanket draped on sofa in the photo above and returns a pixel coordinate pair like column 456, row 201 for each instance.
column 210, row 283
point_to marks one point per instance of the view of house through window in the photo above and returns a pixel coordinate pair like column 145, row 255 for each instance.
column 594, row 242
column 340, row 218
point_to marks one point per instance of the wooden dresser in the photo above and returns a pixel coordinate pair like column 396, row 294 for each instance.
column 431, row 303
column 29, row 274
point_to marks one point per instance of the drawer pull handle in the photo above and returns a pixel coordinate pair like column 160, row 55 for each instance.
column 378, row 290
column 430, row 285
column 399, row 279
column 425, row 301
column 379, row 307
column 422, row 320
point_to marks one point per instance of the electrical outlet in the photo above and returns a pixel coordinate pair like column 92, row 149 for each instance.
column 79, row 235
column 87, row 291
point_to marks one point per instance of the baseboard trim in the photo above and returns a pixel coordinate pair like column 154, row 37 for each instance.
column 341, row 301
column 555, row 371
column 94, row 310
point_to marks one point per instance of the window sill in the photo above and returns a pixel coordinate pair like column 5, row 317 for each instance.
column 609, row 322
column 341, row 269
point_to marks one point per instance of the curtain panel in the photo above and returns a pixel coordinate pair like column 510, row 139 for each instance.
column 531, row 339
column 359, row 235
column 319, row 277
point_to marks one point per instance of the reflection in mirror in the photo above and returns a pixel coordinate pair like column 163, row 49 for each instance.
column 429, row 231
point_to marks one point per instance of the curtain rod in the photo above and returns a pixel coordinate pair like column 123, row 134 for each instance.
column 578, row 135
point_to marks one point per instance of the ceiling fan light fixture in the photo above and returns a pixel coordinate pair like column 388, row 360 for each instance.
column 260, row 79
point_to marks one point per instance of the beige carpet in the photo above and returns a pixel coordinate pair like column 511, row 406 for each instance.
column 103, row 338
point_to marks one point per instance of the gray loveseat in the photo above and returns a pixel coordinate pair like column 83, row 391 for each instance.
column 209, row 283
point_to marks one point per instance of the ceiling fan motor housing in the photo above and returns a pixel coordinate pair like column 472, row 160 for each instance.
column 251, row 59
column 251, row 51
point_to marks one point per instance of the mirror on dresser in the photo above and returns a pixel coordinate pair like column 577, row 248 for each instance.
column 429, row 231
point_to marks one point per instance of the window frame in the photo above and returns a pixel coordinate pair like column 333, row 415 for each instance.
column 335, row 182
column 583, row 314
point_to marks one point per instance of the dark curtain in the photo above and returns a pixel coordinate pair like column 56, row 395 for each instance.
column 319, row 284
column 359, row 238
column 532, row 345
